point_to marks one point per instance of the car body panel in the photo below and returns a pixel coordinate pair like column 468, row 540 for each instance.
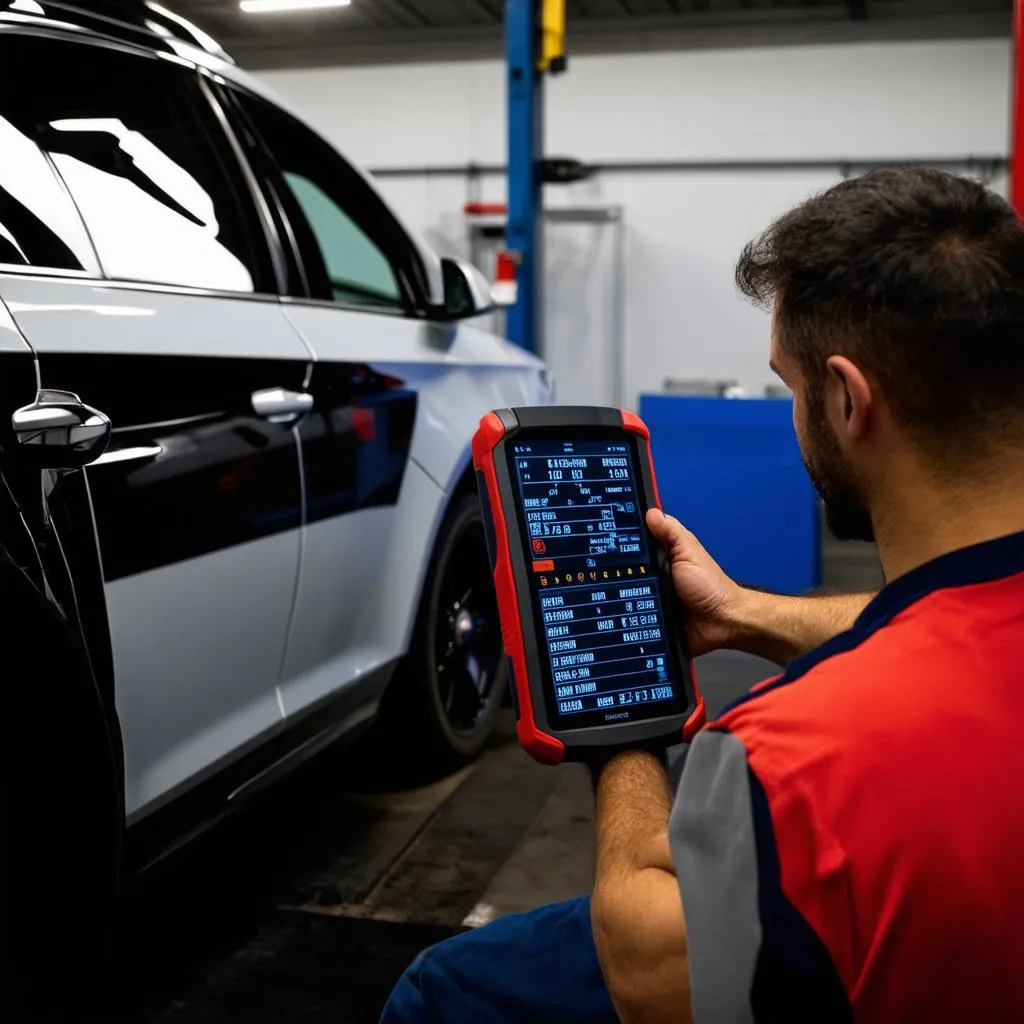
column 197, row 505
column 12, row 341
column 458, row 373
column 354, row 601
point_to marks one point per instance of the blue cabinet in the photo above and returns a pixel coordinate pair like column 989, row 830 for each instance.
column 731, row 470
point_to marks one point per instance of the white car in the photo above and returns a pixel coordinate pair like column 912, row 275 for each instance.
column 272, row 385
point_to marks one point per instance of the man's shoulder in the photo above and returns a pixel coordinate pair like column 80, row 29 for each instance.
column 840, row 695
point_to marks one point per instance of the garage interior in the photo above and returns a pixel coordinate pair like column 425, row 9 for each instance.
column 677, row 130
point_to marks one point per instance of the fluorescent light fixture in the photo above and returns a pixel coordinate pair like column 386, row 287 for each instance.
column 270, row 6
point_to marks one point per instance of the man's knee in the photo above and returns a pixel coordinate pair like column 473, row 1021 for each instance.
column 407, row 1003
column 537, row 966
column 433, row 989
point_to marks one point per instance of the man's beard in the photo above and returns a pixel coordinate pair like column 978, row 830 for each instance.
column 846, row 513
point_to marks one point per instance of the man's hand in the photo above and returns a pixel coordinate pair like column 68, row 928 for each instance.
column 722, row 614
column 712, row 600
column 636, row 910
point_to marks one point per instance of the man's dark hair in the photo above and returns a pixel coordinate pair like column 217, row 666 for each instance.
column 918, row 277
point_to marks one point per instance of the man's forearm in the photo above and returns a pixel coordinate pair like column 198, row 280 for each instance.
column 780, row 628
column 636, row 910
column 633, row 805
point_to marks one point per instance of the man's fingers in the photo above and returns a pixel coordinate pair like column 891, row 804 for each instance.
column 667, row 529
column 656, row 521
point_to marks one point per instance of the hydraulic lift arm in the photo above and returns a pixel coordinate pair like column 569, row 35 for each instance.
column 535, row 46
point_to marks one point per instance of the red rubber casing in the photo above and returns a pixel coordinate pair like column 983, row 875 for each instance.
column 546, row 749
column 487, row 441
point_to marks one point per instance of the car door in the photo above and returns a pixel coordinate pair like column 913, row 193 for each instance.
column 356, row 442
column 183, row 344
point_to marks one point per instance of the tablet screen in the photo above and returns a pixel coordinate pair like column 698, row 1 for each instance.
column 596, row 592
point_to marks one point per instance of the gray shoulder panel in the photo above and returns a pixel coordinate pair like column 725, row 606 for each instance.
column 712, row 838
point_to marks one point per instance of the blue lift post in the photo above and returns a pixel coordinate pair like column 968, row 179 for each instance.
column 524, row 236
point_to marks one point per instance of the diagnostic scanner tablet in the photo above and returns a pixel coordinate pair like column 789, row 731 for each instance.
column 591, row 622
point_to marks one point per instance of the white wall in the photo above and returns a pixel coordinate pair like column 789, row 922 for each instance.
column 683, row 230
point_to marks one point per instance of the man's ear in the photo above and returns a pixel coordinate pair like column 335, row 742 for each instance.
column 849, row 398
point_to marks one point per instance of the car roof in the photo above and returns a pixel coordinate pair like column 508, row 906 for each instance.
column 144, row 23
column 141, row 24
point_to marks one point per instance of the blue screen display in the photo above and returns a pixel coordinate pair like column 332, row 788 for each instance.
column 593, row 582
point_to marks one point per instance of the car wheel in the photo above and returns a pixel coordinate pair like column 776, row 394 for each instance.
column 445, row 696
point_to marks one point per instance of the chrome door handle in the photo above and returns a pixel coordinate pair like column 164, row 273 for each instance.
column 59, row 431
column 280, row 405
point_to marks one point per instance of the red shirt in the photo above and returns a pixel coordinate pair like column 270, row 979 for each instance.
column 850, row 836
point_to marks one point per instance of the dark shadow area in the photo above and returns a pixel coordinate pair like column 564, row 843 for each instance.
column 199, row 927
column 317, row 970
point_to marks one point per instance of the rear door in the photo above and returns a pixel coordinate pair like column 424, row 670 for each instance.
column 183, row 344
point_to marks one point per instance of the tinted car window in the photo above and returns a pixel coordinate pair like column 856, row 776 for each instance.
column 338, row 219
column 141, row 152
column 356, row 267
column 39, row 225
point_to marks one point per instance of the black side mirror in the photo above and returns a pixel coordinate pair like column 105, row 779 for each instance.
column 467, row 292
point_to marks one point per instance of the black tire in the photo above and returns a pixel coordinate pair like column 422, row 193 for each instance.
column 442, row 703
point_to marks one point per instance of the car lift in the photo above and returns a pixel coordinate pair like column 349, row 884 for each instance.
column 535, row 46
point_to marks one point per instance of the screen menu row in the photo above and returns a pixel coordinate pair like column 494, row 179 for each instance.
column 601, row 611
column 606, row 645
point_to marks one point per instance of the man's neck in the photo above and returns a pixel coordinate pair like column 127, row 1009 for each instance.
column 926, row 519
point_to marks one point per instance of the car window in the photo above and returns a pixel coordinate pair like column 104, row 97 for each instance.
column 357, row 269
column 39, row 225
column 141, row 153
column 335, row 209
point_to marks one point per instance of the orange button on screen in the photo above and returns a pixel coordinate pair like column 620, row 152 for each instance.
column 544, row 565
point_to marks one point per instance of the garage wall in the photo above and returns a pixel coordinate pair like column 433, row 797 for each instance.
column 946, row 99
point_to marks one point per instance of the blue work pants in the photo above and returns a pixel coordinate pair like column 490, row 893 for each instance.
column 540, row 967
column 534, row 968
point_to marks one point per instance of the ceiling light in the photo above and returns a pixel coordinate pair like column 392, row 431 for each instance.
column 270, row 6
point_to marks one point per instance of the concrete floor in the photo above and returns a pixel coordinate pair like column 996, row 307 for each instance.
column 308, row 906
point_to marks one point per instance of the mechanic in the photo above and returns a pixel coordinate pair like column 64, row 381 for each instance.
column 846, row 841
